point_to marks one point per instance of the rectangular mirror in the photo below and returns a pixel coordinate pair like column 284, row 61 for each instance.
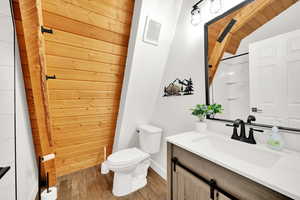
column 253, row 63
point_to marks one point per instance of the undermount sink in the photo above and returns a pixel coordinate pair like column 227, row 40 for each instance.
column 241, row 151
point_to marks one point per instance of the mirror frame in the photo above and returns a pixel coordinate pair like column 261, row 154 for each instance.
column 241, row 5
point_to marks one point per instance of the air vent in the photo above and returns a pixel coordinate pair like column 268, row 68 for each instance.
column 152, row 31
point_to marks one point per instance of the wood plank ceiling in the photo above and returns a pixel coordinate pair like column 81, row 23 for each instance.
column 87, row 54
column 248, row 19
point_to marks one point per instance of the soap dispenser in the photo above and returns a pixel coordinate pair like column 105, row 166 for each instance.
column 275, row 141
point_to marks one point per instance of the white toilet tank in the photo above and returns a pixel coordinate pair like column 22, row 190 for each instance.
column 149, row 138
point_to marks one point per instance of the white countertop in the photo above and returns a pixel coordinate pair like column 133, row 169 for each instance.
column 278, row 170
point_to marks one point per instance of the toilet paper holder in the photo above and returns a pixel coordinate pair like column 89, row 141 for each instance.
column 46, row 182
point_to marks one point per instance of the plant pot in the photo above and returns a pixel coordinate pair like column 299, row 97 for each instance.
column 212, row 116
column 201, row 126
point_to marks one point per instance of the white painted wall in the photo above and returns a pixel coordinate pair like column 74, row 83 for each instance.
column 186, row 59
column 7, row 134
column 150, row 68
column 144, row 69
column 27, row 172
column 13, row 91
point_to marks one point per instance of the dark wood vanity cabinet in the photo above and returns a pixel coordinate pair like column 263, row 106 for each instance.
column 188, row 187
column 184, row 185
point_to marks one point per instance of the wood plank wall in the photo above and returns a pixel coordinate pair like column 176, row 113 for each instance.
column 87, row 54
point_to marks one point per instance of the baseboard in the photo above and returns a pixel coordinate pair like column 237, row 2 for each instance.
column 158, row 169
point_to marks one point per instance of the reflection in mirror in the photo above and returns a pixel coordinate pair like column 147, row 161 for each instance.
column 253, row 55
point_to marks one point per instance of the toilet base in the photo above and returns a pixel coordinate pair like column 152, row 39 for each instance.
column 123, row 190
column 139, row 184
column 128, row 182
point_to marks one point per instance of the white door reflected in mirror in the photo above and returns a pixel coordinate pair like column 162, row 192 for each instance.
column 274, row 83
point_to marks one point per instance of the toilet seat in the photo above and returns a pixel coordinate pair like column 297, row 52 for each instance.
column 126, row 157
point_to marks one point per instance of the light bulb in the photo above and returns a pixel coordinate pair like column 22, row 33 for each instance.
column 196, row 16
column 215, row 6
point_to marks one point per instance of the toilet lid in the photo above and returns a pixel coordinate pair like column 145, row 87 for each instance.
column 126, row 156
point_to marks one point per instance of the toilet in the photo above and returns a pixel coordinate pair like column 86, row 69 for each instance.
column 130, row 166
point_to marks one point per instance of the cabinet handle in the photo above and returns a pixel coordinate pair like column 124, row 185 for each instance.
column 212, row 184
column 174, row 161
column 217, row 195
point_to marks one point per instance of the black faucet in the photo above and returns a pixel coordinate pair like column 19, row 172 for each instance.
column 250, row 138
column 250, row 119
column 242, row 137
column 238, row 123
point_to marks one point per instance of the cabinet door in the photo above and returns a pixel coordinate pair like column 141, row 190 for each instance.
column 188, row 187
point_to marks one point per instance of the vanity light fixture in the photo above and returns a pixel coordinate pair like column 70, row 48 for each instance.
column 215, row 6
column 196, row 14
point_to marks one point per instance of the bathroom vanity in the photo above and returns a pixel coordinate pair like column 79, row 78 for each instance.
column 208, row 165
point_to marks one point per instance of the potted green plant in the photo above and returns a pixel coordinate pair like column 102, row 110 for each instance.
column 214, row 109
column 201, row 111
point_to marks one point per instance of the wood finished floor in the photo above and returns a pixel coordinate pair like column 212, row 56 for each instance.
column 90, row 184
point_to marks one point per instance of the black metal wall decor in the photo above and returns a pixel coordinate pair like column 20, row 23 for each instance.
column 179, row 87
